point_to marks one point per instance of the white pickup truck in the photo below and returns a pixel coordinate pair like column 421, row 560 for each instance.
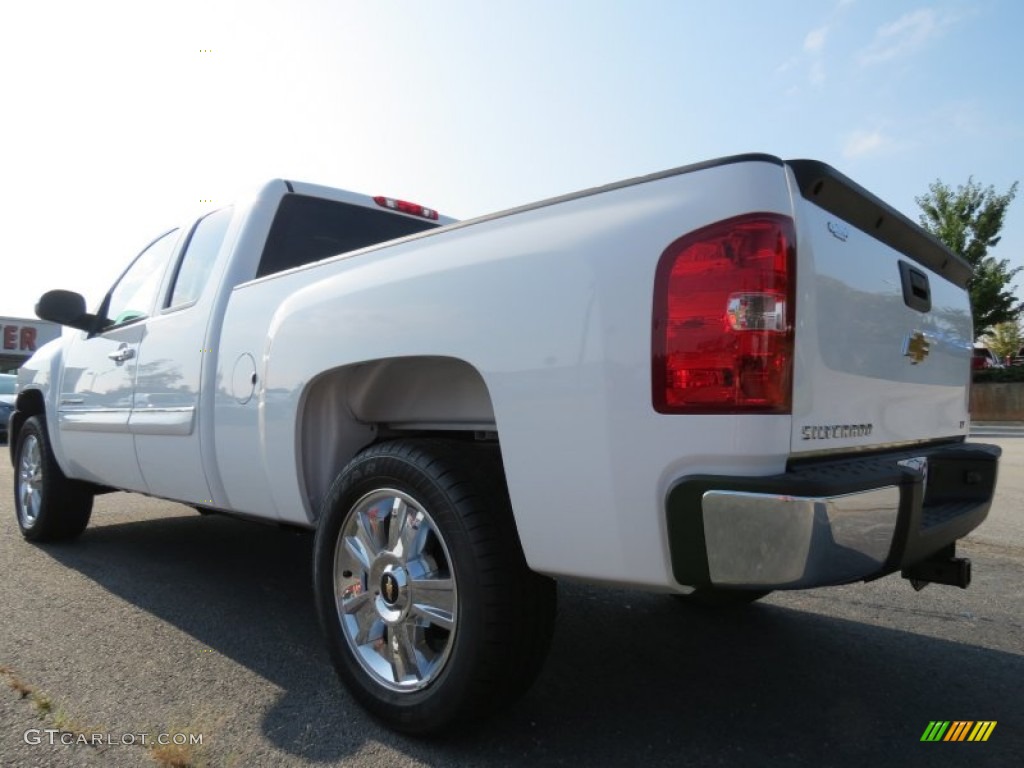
column 725, row 379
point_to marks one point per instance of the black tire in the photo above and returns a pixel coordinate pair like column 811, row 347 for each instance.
column 502, row 614
column 716, row 597
column 48, row 505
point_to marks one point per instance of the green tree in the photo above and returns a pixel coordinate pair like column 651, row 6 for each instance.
column 968, row 220
column 1005, row 339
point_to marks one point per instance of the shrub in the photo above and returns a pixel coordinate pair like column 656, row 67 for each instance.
column 1013, row 374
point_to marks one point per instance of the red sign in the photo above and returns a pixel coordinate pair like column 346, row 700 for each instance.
column 20, row 338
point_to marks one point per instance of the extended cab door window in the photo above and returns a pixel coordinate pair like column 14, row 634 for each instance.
column 197, row 262
column 134, row 295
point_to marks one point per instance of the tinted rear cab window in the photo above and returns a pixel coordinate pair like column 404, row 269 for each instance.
column 307, row 229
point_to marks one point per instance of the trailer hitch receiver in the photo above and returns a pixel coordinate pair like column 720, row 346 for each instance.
column 944, row 567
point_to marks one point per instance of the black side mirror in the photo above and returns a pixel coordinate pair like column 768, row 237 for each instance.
column 66, row 308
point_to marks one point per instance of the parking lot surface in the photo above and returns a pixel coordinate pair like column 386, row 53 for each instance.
column 160, row 622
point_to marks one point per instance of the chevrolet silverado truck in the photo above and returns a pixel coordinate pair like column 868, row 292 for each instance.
column 717, row 381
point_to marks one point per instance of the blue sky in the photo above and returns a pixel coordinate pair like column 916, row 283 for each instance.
column 119, row 117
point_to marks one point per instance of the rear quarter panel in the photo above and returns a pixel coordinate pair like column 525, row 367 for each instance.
column 552, row 306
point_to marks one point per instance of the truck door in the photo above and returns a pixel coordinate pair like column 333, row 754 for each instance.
column 165, row 419
column 96, row 390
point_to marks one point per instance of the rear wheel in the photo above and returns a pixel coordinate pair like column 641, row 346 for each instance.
column 49, row 506
column 431, row 615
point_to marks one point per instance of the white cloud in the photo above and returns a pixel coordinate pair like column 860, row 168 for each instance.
column 908, row 34
column 815, row 40
column 863, row 143
column 812, row 55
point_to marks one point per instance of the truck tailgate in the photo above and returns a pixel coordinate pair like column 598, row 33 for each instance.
column 883, row 322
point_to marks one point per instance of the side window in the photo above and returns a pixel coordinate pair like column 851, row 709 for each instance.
column 199, row 257
column 133, row 296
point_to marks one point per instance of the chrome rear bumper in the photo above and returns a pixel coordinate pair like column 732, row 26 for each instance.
column 828, row 522
column 770, row 540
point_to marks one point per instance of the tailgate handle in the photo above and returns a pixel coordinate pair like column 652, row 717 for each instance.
column 916, row 292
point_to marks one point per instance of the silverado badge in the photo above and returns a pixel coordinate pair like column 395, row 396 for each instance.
column 916, row 346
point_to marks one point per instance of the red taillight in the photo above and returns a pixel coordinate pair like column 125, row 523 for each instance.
column 404, row 206
column 723, row 318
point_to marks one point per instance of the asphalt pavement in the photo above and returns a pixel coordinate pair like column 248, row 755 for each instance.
column 163, row 624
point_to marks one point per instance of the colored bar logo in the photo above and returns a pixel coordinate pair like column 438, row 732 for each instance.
column 958, row 730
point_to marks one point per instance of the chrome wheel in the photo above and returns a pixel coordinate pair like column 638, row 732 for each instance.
column 395, row 590
column 431, row 614
column 48, row 505
column 30, row 482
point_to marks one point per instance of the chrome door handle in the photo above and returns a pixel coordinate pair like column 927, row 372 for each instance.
column 121, row 354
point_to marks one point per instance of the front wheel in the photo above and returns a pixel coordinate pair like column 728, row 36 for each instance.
column 431, row 615
column 49, row 506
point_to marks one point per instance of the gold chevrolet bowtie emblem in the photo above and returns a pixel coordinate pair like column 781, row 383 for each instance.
column 916, row 347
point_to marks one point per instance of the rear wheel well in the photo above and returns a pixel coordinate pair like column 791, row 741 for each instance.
column 347, row 409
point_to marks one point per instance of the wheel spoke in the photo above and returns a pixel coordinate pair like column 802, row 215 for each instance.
column 29, row 469
column 369, row 626
column 367, row 534
column 397, row 524
column 416, row 532
column 369, row 528
column 404, row 660
column 434, row 601
column 355, row 603
column 407, row 533
column 356, row 546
